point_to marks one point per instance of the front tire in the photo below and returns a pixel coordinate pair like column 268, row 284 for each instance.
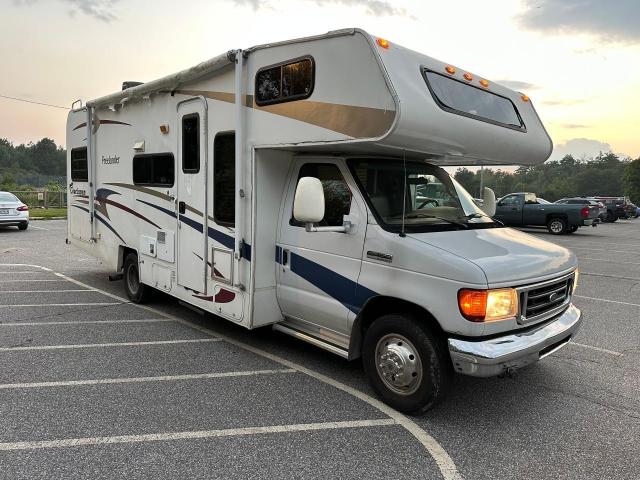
column 137, row 291
column 406, row 364
column 557, row 226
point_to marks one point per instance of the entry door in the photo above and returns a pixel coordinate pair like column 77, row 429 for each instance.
column 191, row 195
column 318, row 271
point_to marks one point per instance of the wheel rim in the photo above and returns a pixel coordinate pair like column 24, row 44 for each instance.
column 556, row 226
column 398, row 364
column 133, row 281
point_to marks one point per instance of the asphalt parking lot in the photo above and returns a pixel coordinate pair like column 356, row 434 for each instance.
column 92, row 386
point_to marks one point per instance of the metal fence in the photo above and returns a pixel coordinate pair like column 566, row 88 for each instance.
column 43, row 198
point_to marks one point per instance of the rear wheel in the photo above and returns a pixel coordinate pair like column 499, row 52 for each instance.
column 557, row 226
column 137, row 291
column 23, row 226
column 610, row 217
column 572, row 229
column 406, row 364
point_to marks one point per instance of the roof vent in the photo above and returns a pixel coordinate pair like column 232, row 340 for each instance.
column 130, row 84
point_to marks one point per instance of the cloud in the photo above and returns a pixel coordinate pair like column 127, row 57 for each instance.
column 98, row 9
column 564, row 102
column 579, row 148
column 102, row 10
column 517, row 85
column 575, row 125
column 610, row 20
column 377, row 8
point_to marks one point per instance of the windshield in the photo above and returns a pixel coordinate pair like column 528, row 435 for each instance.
column 430, row 198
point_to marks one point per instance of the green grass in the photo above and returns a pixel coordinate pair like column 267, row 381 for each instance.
column 46, row 213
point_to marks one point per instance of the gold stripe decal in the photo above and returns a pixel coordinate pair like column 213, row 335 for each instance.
column 356, row 122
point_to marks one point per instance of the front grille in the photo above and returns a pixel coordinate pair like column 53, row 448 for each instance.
column 544, row 300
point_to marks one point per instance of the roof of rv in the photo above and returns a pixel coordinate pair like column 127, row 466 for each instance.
column 208, row 67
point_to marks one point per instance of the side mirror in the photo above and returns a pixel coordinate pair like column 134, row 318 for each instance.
column 308, row 204
column 489, row 202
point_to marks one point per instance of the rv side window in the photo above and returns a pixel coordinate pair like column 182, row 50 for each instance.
column 154, row 170
column 337, row 196
column 79, row 169
column 191, row 143
column 224, row 179
column 457, row 97
column 285, row 82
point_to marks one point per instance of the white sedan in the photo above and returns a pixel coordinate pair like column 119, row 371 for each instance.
column 13, row 212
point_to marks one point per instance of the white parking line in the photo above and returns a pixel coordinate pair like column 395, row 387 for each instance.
column 598, row 349
column 573, row 247
column 164, row 378
column 608, row 261
column 19, row 271
column 608, row 301
column 163, row 437
column 38, row 228
column 446, row 465
column 591, row 274
column 84, row 322
column 105, row 345
column 46, row 291
column 33, row 280
column 64, row 304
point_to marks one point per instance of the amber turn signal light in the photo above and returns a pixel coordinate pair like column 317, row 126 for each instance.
column 468, row 76
column 484, row 83
column 382, row 43
column 451, row 70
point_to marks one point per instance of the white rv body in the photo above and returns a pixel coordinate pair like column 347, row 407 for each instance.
column 365, row 101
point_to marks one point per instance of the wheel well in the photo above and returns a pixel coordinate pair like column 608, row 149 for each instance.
column 122, row 254
column 382, row 305
column 561, row 216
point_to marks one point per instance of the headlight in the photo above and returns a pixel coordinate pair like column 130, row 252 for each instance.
column 575, row 281
column 488, row 305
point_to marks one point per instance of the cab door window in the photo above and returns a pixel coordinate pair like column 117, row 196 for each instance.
column 337, row 196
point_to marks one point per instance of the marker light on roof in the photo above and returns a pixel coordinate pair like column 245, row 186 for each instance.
column 468, row 76
column 450, row 69
column 382, row 42
column 484, row 83
column 524, row 98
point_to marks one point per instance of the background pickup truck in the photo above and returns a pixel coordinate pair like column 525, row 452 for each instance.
column 520, row 209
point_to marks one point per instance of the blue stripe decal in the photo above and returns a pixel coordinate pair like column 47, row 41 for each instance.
column 192, row 223
column 226, row 240
column 344, row 290
column 220, row 237
column 102, row 220
column 168, row 212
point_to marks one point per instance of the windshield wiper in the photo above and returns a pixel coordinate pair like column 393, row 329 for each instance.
column 480, row 215
column 444, row 219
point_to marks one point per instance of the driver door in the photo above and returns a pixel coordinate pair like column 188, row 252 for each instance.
column 318, row 271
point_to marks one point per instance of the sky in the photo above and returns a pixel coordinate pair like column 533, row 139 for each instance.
column 578, row 60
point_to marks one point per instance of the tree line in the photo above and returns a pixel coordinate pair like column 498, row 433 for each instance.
column 605, row 175
column 22, row 164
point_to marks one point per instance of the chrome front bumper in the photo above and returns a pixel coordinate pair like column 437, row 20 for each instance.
column 487, row 358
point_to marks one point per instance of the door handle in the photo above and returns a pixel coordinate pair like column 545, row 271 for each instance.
column 285, row 257
column 181, row 207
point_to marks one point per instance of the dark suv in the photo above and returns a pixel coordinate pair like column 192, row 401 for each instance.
column 616, row 207
column 602, row 210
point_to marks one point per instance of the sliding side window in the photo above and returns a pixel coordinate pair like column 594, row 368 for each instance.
column 154, row 170
column 79, row 168
column 285, row 82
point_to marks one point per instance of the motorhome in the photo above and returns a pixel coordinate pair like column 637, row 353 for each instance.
column 300, row 184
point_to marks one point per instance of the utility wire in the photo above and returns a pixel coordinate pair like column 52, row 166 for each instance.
column 31, row 101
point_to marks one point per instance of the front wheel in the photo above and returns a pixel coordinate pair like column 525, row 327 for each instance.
column 557, row 226
column 134, row 288
column 406, row 364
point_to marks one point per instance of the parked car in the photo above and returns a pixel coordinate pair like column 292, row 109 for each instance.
column 602, row 209
column 523, row 209
column 13, row 213
column 616, row 207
